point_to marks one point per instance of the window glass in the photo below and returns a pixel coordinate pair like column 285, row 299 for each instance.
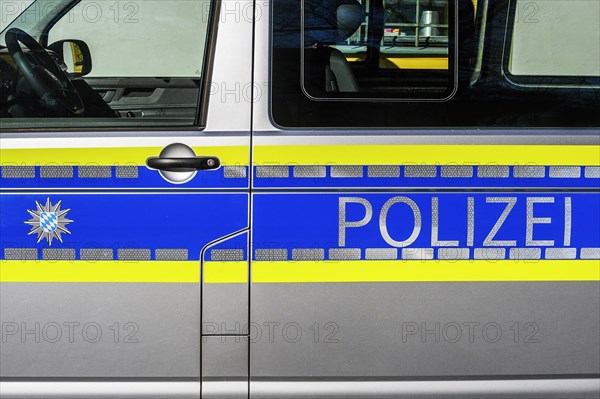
column 415, row 34
column 134, row 63
column 435, row 64
column 139, row 38
column 10, row 10
column 392, row 49
column 556, row 38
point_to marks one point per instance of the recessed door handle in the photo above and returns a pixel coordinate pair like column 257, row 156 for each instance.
column 191, row 164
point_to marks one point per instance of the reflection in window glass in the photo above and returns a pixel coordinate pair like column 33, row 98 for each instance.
column 377, row 48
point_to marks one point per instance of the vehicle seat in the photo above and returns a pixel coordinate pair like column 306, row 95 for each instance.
column 328, row 23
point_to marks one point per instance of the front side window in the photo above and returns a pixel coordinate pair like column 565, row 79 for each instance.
column 98, row 64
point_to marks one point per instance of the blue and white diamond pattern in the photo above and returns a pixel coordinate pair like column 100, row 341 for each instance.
column 49, row 221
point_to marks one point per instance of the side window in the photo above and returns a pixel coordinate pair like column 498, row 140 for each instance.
column 139, row 38
column 555, row 38
column 435, row 63
column 134, row 63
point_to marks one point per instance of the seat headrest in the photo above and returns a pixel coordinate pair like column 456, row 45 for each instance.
column 331, row 21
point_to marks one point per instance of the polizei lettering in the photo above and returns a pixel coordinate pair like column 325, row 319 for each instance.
column 488, row 221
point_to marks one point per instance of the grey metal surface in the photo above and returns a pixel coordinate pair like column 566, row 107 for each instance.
column 224, row 368
column 371, row 324
column 100, row 390
column 489, row 389
column 225, row 309
column 584, row 388
column 157, row 336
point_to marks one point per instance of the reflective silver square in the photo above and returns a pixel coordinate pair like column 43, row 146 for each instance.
column 18, row 172
column 489, row 253
column 525, row 253
column 344, row 254
column 529, row 171
column 565, row 172
column 127, row 172
column 493, row 171
column 94, row 172
column 453, row 253
column 420, row 171
column 561, row 253
column 96, row 254
column 347, row 171
column 417, row 253
column 305, row 171
column 178, row 254
column 272, row 171
column 457, row 171
column 308, row 254
column 271, row 255
column 381, row 254
column 227, row 255
column 20, row 253
column 58, row 254
column 234, row 172
column 56, row 172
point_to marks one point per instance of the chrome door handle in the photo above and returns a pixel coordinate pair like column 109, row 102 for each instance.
column 191, row 164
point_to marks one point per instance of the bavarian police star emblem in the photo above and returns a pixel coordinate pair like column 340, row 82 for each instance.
column 49, row 221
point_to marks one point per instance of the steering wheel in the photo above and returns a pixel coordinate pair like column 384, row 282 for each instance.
column 48, row 81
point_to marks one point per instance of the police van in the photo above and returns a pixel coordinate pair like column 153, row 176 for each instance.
column 300, row 199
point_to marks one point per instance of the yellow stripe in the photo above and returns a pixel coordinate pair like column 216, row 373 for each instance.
column 229, row 155
column 390, row 61
column 413, row 62
column 81, row 271
column 225, row 272
column 424, row 271
column 298, row 272
column 546, row 155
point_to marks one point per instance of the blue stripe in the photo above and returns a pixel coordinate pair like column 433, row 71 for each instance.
column 311, row 221
column 117, row 221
